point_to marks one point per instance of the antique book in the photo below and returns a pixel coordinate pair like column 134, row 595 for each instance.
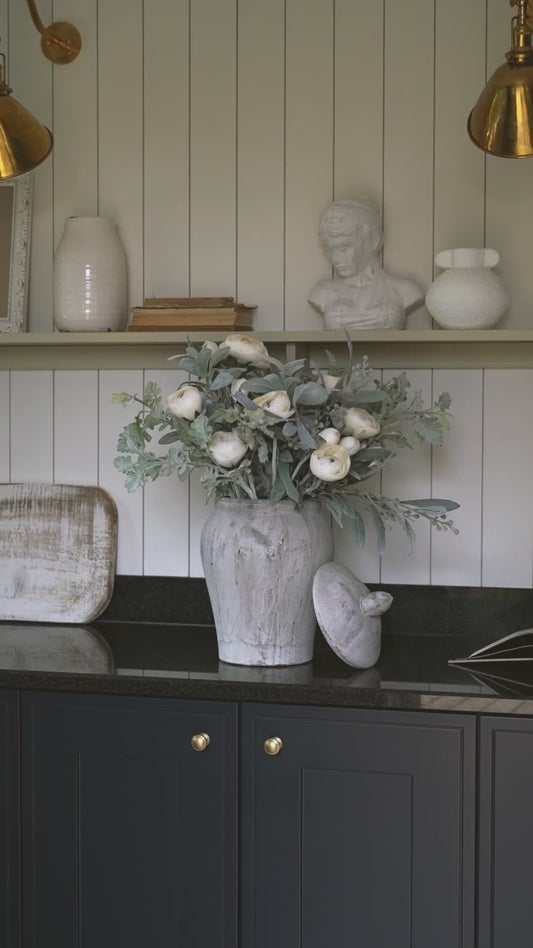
column 186, row 302
column 516, row 647
column 150, row 319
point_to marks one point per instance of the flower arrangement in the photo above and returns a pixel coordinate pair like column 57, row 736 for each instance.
column 258, row 428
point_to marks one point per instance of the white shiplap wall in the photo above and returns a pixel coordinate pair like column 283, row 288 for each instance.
column 213, row 132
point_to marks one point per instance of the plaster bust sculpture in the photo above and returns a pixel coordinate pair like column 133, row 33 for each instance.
column 361, row 294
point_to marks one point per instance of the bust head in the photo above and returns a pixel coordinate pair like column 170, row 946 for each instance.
column 350, row 233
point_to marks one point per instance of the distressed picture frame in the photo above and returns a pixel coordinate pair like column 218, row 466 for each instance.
column 15, row 318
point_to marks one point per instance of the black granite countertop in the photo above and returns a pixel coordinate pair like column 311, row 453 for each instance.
column 181, row 661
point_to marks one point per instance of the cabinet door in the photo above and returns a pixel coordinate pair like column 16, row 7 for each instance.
column 506, row 833
column 360, row 831
column 9, row 821
column 129, row 833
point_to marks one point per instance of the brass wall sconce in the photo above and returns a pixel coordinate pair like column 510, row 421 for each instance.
column 501, row 122
column 24, row 142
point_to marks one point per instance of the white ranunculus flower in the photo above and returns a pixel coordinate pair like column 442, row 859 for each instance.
column 329, row 381
column 226, row 448
column 330, row 462
column 209, row 344
column 246, row 349
column 352, row 445
column 187, row 402
column 360, row 423
column 330, row 435
column 277, row 403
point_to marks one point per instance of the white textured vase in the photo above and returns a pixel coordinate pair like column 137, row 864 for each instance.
column 468, row 295
column 259, row 561
column 90, row 284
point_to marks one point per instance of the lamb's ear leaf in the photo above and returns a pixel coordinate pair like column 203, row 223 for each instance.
column 433, row 506
column 306, row 439
column 285, row 478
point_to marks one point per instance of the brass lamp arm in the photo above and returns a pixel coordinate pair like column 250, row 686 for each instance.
column 60, row 42
column 39, row 25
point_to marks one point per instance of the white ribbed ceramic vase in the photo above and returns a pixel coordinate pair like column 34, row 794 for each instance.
column 259, row 561
column 90, row 284
column 468, row 295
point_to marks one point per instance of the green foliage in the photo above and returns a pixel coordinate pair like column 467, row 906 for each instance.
column 277, row 445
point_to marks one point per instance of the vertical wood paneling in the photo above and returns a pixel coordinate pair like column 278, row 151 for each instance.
column 4, row 35
column 166, row 148
column 198, row 514
column 288, row 105
column 76, row 427
column 358, row 105
column 213, row 97
column 409, row 477
column 76, row 130
column 111, row 420
column 408, row 144
column 32, row 436
column 260, row 160
column 507, row 465
column 457, row 475
column 365, row 563
column 309, row 152
column 120, row 129
column 508, row 182
column 166, row 505
column 459, row 166
column 31, row 76
column 4, row 426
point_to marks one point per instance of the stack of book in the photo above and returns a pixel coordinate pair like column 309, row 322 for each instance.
column 193, row 313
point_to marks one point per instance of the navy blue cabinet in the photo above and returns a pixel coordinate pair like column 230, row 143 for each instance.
column 358, row 829
column 155, row 822
column 9, row 821
column 506, row 833
column 129, row 831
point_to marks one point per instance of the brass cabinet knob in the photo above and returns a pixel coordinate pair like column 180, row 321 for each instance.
column 199, row 742
column 272, row 746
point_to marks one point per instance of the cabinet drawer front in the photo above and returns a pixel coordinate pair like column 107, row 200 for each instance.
column 361, row 827
column 506, row 833
column 10, row 820
column 131, row 833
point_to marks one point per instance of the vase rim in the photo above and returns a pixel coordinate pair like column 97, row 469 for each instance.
column 264, row 501
column 94, row 217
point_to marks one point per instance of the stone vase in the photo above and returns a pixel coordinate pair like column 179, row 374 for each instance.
column 259, row 561
column 467, row 295
column 90, row 286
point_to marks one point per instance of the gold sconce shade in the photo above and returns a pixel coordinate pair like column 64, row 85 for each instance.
column 24, row 142
column 501, row 122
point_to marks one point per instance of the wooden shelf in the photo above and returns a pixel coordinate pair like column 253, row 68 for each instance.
column 403, row 349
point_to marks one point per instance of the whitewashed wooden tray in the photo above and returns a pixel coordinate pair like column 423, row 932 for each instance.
column 57, row 552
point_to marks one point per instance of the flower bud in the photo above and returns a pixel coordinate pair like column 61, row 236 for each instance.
column 187, row 402
column 226, row 449
column 352, row 445
column 360, row 423
column 246, row 349
column 329, row 381
column 330, row 435
column 277, row 403
column 330, row 462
